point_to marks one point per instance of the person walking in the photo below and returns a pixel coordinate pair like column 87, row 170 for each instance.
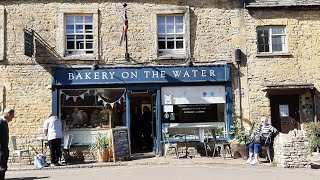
column 8, row 115
column 52, row 128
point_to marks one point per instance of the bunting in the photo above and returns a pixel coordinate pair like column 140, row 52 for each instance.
column 74, row 98
column 111, row 103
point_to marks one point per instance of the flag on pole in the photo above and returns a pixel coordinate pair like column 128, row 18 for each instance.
column 124, row 27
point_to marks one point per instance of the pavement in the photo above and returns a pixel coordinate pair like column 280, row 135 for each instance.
column 146, row 159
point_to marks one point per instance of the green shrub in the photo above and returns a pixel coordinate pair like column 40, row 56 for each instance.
column 313, row 134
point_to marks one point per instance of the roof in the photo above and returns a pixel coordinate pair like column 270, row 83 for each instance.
column 282, row 3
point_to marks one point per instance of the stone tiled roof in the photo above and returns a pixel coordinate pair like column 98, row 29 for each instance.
column 282, row 3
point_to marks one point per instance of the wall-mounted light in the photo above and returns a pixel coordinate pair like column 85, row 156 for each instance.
column 95, row 66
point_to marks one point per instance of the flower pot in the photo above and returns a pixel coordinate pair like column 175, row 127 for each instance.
column 103, row 156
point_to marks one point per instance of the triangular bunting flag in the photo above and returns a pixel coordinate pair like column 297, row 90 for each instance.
column 67, row 97
column 112, row 104
column 74, row 98
column 82, row 96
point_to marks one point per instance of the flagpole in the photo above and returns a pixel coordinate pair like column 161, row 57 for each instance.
column 127, row 57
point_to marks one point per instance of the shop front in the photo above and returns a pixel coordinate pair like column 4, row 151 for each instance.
column 146, row 100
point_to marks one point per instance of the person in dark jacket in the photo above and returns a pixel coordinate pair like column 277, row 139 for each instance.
column 8, row 115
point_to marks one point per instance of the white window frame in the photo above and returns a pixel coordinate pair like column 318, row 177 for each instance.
column 270, row 36
column 175, row 35
column 76, row 50
column 1, row 33
column 171, row 54
column 65, row 10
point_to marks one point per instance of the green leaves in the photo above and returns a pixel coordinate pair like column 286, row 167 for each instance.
column 100, row 144
column 313, row 134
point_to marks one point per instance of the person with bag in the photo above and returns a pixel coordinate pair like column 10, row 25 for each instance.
column 260, row 138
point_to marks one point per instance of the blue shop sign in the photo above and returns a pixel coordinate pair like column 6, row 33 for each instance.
column 72, row 76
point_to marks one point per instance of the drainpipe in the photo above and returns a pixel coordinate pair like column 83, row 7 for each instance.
column 238, row 61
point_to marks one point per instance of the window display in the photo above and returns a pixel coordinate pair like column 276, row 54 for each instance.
column 80, row 108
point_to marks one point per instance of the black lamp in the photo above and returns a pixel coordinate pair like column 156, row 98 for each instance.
column 95, row 66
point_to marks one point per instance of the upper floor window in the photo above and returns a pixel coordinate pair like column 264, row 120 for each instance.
column 272, row 39
column 170, row 29
column 170, row 33
column 79, row 34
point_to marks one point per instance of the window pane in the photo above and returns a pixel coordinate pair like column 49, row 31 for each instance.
column 278, row 30
column 161, row 44
column 276, row 43
column 170, row 19
column 170, row 45
column 70, row 37
column 79, row 37
column 70, row 44
column 69, row 20
column 171, row 37
column 89, row 45
column 179, row 37
column 79, row 28
column 80, row 45
column 79, row 19
column 170, row 29
column 261, row 48
column 70, row 29
column 88, row 19
column 179, row 28
column 89, row 36
column 161, row 19
column 179, row 44
column 161, row 29
column 179, row 19
column 161, row 37
column 88, row 28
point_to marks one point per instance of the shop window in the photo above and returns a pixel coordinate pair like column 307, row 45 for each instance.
column 272, row 39
column 77, row 32
column 171, row 29
column 91, row 108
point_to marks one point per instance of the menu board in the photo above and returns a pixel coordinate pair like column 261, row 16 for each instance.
column 120, row 143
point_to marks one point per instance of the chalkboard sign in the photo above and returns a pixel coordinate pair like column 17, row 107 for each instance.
column 120, row 143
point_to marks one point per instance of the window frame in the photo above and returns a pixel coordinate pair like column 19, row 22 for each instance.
column 67, row 10
column 173, row 34
column 270, row 36
column 169, row 54
column 75, row 34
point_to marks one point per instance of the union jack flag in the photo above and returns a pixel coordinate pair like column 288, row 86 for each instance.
column 124, row 28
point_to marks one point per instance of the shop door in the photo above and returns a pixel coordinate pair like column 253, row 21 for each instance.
column 285, row 114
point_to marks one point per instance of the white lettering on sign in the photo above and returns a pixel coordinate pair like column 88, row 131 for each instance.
column 147, row 74
column 71, row 76
column 125, row 75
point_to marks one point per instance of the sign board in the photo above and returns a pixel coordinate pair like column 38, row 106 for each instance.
column 120, row 143
column 28, row 42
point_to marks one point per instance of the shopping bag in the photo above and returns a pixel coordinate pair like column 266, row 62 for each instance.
column 39, row 161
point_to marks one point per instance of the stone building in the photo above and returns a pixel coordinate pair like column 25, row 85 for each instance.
column 181, row 65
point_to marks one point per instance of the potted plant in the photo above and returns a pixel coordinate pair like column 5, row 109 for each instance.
column 101, row 147
column 240, row 138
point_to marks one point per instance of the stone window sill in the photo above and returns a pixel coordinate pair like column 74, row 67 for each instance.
column 273, row 54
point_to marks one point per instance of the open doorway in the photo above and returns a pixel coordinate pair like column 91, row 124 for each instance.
column 143, row 121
